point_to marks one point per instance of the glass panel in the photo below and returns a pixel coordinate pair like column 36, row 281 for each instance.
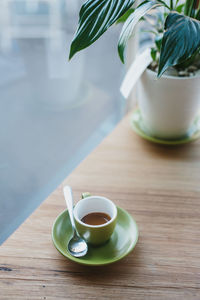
column 52, row 112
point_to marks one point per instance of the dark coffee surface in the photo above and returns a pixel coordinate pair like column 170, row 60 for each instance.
column 96, row 218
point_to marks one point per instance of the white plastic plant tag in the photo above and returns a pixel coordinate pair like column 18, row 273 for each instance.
column 136, row 69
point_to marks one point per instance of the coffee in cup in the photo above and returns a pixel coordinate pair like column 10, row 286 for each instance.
column 95, row 219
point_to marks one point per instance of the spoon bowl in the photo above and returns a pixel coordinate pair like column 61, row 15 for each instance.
column 77, row 246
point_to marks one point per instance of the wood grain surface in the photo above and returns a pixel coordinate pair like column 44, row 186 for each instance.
column 159, row 186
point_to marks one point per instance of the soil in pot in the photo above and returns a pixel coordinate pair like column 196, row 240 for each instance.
column 189, row 71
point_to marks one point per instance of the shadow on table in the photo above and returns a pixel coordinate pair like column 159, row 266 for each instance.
column 178, row 152
column 116, row 272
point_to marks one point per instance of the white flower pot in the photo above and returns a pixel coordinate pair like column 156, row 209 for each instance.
column 169, row 104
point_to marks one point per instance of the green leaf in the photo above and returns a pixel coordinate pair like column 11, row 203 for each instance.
column 125, row 16
column 158, row 41
column 180, row 41
column 130, row 23
column 153, row 53
column 180, row 8
column 95, row 17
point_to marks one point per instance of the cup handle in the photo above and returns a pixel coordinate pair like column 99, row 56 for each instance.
column 85, row 195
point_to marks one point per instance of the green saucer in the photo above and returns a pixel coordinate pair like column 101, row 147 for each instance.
column 121, row 243
column 138, row 126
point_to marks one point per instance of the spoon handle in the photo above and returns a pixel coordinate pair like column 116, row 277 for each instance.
column 69, row 201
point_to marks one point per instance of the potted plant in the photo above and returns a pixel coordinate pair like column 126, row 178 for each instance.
column 168, row 105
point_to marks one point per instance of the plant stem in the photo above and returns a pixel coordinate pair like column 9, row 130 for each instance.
column 198, row 10
column 192, row 14
column 194, row 8
column 190, row 7
column 171, row 5
column 198, row 15
column 187, row 5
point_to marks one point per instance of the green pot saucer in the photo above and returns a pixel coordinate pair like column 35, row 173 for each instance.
column 121, row 243
column 138, row 126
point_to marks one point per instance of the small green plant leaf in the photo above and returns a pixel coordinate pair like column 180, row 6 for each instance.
column 95, row 17
column 125, row 16
column 180, row 41
column 180, row 8
column 158, row 41
column 153, row 53
column 130, row 24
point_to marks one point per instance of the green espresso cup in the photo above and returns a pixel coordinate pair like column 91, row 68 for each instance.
column 95, row 234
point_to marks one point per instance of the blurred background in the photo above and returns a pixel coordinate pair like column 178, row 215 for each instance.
column 52, row 112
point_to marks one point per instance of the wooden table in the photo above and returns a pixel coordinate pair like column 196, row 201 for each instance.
column 159, row 186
